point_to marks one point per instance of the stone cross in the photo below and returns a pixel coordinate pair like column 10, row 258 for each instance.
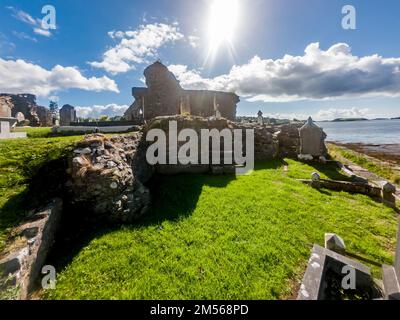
column 216, row 108
column 260, row 119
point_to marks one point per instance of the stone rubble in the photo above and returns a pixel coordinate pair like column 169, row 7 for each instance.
column 106, row 178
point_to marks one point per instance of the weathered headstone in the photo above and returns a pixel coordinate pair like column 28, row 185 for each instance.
column 312, row 139
column 67, row 115
column 334, row 242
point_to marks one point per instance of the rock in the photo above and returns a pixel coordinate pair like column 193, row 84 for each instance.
column 305, row 157
column 83, row 151
column 9, row 265
column 322, row 159
column 387, row 187
column 334, row 242
column 315, row 177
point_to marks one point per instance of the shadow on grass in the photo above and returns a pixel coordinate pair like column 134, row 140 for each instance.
column 46, row 181
column 331, row 170
column 173, row 197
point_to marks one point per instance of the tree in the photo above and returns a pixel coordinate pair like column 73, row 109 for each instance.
column 53, row 106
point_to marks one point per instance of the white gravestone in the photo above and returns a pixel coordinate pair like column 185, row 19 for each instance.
column 5, row 129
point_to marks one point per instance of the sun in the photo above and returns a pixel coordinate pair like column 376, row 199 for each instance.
column 222, row 23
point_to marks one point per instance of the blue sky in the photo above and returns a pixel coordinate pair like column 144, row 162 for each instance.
column 99, row 49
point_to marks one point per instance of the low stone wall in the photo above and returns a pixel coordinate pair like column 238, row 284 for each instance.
column 27, row 252
column 346, row 186
column 289, row 140
column 92, row 129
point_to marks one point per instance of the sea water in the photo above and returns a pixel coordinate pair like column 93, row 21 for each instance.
column 368, row 132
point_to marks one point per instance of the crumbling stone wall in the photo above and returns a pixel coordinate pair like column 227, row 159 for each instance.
column 108, row 175
column 289, row 140
column 164, row 96
column 106, row 178
column 6, row 106
column 26, row 104
column 45, row 116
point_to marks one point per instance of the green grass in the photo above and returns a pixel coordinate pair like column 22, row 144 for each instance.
column 26, row 166
column 221, row 237
column 35, row 132
column 380, row 168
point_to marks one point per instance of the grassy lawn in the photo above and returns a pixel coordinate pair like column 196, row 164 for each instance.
column 221, row 237
column 382, row 169
column 43, row 132
column 206, row 237
column 22, row 162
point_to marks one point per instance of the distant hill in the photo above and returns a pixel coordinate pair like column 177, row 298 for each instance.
column 397, row 118
column 349, row 119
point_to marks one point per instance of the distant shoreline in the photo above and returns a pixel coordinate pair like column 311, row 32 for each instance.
column 383, row 152
column 359, row 119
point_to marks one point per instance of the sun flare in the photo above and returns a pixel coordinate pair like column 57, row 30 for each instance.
column 223, row 21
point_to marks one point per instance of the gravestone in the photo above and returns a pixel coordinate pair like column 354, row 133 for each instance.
column 312, row 139
column 67, row 115
column 5, row 129
column 391, row 275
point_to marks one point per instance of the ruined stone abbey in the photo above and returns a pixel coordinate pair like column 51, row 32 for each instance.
column 164, row 96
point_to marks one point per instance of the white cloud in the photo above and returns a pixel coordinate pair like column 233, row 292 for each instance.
column 137, row 46
column 316, row 75
column 194, row 41
column 22, row 16
column 333, row 113
column 42, row 32
column 28, row 19
column 23, row 35
column 97, row 111
column 17, row 76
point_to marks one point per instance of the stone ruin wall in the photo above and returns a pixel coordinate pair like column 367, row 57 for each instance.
column 164, row 96
column 26, row 104
column 109, row 175
column 6, row 106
